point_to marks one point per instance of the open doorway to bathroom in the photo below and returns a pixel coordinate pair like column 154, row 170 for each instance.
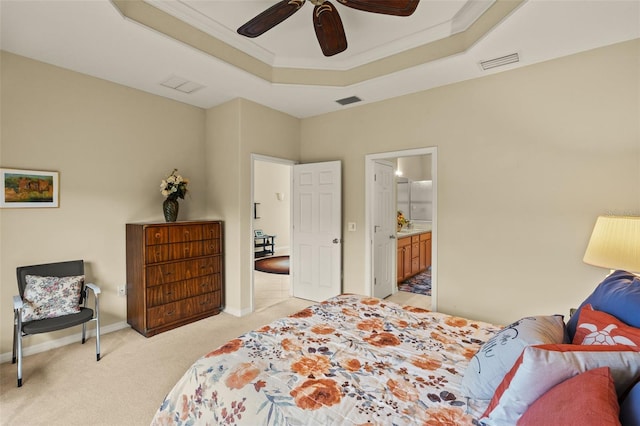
column 271, row 229
column 415, row 174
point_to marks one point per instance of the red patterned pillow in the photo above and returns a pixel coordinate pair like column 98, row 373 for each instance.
column 586, row 399
column 600, row 328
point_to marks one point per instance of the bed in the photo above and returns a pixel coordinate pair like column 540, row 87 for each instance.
column 348, row 360
column 355, row 360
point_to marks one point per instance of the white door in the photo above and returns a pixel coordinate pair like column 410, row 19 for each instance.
column 317, row 230
column 384, row 232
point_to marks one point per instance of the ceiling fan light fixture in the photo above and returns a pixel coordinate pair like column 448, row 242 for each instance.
column 348, row 100
column 499, row 62
column 326, row 19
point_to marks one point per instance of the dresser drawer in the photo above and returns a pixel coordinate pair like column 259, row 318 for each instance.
column 156, row 235
column 201, row 304
column 163, row 314
column 212, row 247
column 171, row 312
column 212, row 230
column 182, row 233
column 162, row 294
column 177, row 271
column 168, row 252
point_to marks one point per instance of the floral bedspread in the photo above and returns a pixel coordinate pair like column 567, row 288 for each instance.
column 350, row 360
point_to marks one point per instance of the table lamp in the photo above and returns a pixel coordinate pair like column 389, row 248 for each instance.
column 615, row 243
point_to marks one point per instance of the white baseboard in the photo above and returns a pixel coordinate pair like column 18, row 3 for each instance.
column 63, row 341
column 237, row 312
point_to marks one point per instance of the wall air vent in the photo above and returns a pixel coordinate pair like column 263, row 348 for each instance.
column 181, row 84
column 349, row 100
column 498, row 62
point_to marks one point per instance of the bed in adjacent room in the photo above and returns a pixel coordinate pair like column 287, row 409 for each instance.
column 354, row 360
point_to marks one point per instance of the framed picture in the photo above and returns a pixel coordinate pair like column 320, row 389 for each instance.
column 28, row 188
column 258, row 233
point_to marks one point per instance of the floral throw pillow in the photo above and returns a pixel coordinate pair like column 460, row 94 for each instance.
column 50, row 297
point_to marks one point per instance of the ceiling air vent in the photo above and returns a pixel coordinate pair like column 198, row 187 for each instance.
column 498, row 62
column 181, row 84
column 349, row 100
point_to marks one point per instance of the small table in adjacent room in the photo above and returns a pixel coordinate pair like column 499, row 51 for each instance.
column 264, row 245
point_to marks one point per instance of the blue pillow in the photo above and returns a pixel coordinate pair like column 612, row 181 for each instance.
column 617, row 295
column 630, row 407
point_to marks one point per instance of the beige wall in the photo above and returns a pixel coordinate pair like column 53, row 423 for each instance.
column 236, row 130
column 111, row 145
column 527, row 159
column 271, row 178
column 417, row 167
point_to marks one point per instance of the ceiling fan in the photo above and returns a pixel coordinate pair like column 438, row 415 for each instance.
column 326, row 20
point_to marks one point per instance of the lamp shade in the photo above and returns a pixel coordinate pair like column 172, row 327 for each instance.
column 615, row 243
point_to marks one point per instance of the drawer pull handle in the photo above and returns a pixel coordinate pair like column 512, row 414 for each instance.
column 170, row 313
column 169, row 293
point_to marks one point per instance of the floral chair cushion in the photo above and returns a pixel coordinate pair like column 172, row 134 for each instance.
column 50, row 297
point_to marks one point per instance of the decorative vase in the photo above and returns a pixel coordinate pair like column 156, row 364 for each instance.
column 170, row 210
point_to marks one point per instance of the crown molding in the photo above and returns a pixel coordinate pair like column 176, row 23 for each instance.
column 469, row 31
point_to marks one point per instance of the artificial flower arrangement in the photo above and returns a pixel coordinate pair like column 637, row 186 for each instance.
column 402, row 221
column 174, row 186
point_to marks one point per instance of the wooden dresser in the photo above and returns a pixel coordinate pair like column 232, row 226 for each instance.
column 174, row 274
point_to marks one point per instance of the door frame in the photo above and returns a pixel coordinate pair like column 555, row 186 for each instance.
column 285, row 162
column 369, row 206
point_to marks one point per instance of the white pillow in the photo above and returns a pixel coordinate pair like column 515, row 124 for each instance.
column 540, row 368
column 50, row 297
column 495, row 358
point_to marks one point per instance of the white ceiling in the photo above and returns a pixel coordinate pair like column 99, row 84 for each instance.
column 293, row 43
column 93, row 37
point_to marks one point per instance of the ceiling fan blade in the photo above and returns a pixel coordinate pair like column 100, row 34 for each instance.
column 387, row 7
column 270, row 18
column 329, row 29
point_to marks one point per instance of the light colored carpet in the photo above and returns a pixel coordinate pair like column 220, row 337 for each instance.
column 66, row 386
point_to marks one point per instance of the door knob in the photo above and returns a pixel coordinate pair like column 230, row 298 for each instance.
column 336, row 241
column 393, row 237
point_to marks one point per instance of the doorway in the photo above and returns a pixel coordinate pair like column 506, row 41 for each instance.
column 372, row 256
column 311, row 199
column 272, row 218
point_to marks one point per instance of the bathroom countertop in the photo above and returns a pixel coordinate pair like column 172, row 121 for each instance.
column 413, row 231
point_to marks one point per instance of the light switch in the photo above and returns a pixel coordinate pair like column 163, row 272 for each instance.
column 351, row 226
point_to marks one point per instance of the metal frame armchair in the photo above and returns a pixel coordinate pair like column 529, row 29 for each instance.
column 24, row 328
